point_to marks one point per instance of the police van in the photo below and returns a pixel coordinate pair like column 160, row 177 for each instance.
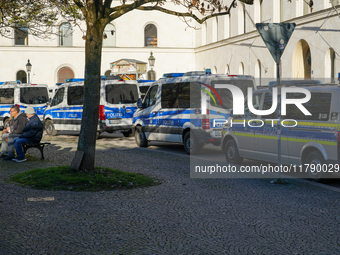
column 186, row 110
column 22, row 95
column 117, row 106
column 311, row 143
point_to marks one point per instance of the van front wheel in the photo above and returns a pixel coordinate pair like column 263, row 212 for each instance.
column 231, row 153
column 191, row 146
column 140, row 137
column 49, row 127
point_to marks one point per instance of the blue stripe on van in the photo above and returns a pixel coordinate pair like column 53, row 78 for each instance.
column 23, row 108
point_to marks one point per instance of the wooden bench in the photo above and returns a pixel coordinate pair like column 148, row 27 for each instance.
column 39, row 146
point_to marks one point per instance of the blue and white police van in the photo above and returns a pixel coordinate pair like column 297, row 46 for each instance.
column 310, row 144
column 117, row 106
column 23, row 95
column 188, row 109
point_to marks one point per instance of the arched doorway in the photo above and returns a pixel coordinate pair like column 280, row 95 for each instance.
column 65, row 73
column 107, row 73
column 22, row 76
column 302, row 61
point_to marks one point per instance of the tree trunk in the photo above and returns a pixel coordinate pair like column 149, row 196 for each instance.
column 92, row 83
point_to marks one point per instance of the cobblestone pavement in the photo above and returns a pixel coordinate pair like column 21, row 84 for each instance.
column 180, row 216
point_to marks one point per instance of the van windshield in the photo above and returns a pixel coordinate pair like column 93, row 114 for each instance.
column 34, row 95
column 7, row 96
column 121, row 93
column 225, row 94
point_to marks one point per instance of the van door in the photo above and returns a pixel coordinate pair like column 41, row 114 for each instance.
column 55, row 111
column 74, row 108
column 150, row 113
column 266, row 135
column 169, row 129
column 245, row 127
column 120, row 104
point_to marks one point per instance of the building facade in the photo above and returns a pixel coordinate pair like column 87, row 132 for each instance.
column 231, row 43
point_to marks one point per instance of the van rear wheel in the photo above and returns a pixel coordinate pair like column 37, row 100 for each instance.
column 49, row 127
column 231, row 153
column 314, row 162
column 191, row 146
column 140, row 137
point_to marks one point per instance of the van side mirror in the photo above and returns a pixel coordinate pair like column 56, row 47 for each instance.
column 139, row 103
column 231, row 114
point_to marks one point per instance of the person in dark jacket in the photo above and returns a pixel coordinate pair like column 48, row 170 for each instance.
column 32, row 133
column 18, row 123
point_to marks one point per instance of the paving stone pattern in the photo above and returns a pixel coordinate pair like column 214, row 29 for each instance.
column 180, row 216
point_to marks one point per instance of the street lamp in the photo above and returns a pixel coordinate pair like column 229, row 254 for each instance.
column 151, row 60
column 28, row 69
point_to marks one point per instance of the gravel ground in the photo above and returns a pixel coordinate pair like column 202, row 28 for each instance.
column 180, row 216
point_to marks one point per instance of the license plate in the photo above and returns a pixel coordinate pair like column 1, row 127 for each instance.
column 115, row 121
column 218, row 133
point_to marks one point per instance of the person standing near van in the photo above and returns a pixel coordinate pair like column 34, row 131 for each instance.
column 19, row 122
column 32, row 133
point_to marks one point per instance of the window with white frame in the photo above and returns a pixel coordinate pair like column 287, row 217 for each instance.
column 21, row 36
column 65, row 34
column 150, row 36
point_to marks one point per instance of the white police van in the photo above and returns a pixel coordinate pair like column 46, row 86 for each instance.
column 23, row 95
column 117, row 106
column 310, row 143
column 189, row 110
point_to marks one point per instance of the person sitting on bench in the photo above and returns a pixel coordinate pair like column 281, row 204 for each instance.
column 32, row 133
column 17, row 125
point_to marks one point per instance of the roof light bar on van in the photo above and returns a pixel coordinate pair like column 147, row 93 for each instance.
column 171, row 75
column 74, row 79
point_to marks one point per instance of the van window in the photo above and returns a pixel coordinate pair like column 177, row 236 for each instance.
column 151, row 98
column 7, row 96
column 169, row 96
column 59, row 97
column 34, row 95
column 225, row 94
column 121, row 93
column 267, row 104
column 319, row 106
column 75, row 95
column 189, row 95
column 143, row 89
